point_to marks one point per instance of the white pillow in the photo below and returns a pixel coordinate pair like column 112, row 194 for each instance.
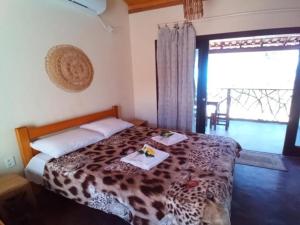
column 108, row 126
column 36, row 167
column 66, row 142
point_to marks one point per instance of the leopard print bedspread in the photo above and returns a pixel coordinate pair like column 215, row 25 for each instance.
column 193, row 186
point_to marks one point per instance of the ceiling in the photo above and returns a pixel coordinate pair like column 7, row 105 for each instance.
column 143, row 5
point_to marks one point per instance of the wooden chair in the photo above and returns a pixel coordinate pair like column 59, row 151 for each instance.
column 213, row 115
column 218, row 118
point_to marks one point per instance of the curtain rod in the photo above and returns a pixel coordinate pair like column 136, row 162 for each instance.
column 234, row 14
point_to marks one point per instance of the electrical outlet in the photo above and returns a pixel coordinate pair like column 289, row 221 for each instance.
column 10, row 162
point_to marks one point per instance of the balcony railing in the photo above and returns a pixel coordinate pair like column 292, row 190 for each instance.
column 253, row 103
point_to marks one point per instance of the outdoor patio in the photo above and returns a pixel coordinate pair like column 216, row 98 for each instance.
column 259, row 136
column 253, row 91
column 257, row 117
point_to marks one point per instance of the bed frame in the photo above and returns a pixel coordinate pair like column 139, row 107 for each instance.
column 27, row 134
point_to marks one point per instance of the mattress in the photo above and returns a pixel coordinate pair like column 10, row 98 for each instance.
column 192, row 186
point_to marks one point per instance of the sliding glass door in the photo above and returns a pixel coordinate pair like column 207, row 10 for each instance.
column 202, row 46
column 203, row 121
column 292, row 139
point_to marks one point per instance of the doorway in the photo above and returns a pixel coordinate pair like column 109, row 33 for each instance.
column 292, row 138
column 242, row 92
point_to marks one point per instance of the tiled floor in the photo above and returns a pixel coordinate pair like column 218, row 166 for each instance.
column 258, row 136
column 266, row 197
column 260, row 197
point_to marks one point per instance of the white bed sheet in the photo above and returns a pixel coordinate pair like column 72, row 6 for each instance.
column 34, row 171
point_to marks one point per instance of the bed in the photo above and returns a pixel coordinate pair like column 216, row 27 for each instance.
column 192, row 186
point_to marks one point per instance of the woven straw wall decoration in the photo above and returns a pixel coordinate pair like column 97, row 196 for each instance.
column 69, row 68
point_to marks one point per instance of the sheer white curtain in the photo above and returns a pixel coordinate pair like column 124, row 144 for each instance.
column 175, row 70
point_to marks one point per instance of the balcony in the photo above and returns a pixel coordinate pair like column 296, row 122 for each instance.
column 258, row 117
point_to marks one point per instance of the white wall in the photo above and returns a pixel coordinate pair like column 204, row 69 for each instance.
column 143, row 32
column 28, row 28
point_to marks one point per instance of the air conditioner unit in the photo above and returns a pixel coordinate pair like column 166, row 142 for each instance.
column 98, row 6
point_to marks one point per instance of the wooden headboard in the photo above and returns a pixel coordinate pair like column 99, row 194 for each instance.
column 27, row 134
